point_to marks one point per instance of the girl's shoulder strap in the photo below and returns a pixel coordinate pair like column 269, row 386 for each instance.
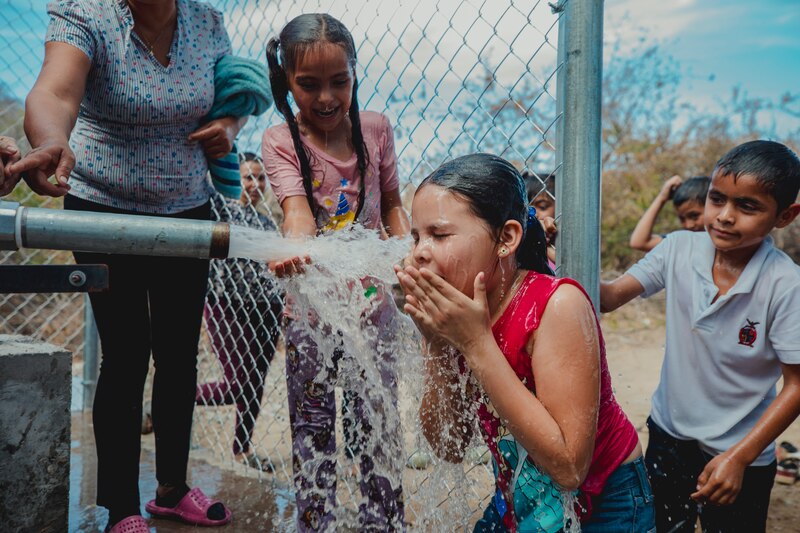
column 522, row 317
column 524, row 312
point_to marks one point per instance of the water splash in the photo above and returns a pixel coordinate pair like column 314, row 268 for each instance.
column 345, row 300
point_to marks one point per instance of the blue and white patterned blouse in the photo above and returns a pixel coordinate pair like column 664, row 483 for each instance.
column 130, row 140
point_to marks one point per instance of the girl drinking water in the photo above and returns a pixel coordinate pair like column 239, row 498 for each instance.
column 478, row 282
column 331, row 166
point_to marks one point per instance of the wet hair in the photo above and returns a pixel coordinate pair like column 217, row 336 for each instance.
column 694, row 189
column 302, row 35
column 774, row 166
column 537, row 183
column 495, row 192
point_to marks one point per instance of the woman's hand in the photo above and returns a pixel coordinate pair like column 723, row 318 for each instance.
column 289, row 267
column 43, row 161
column 442, row 311
column 217, row 136
column 9, row 153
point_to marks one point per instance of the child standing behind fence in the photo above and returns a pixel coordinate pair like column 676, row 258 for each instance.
column 733, row 302
column 242, row 313
column 688, row 197
column 542, row 196
column 331, row 166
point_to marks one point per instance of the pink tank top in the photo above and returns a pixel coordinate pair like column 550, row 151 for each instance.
column 616, row 437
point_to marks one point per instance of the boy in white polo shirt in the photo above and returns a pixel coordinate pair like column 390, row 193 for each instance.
column 733, row 328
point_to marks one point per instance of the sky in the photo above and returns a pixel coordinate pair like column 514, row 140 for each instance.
column 721, row 44
column 718, row 44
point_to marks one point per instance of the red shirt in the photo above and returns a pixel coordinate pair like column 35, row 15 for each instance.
column 616, row 437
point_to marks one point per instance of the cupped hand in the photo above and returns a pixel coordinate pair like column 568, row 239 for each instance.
column 720, row 481
column 48, row 159
column 216, row 137
column 442, row 311
column 289, row 267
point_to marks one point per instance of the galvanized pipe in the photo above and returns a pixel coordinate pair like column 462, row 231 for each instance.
column 86, row 231
column 578, row 96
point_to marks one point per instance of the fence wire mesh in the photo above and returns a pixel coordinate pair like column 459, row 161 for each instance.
column 452, row 76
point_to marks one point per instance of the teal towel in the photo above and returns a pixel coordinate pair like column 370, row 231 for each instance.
column 241, row 88
column 225, row 174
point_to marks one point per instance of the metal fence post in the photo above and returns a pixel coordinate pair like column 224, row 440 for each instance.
column 90, row 351
column 579, row 90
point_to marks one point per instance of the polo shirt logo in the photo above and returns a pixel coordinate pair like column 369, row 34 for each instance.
column 748, row 334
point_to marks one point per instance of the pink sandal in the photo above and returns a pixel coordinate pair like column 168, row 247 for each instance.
column 131, row 524
column 192, row 509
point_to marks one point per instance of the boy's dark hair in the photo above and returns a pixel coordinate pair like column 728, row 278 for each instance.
column 495, row 192
column 694, row 189
column 250, row 156
column 774, row 166
column 301, row 35
column 536, row 183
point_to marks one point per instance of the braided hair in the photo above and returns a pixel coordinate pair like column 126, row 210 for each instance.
column 297, row 37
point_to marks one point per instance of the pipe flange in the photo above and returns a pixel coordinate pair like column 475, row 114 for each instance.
column 8, row 221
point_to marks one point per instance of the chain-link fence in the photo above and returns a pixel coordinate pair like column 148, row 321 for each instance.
column 452, row 76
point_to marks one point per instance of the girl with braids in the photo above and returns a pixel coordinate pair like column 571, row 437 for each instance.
column 480, row 290
column 330, row 166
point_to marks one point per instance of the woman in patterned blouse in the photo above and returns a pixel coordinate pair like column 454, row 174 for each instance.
column 116, row 115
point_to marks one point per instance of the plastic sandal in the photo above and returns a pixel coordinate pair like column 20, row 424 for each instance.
column 192, row 509
column 131, row 524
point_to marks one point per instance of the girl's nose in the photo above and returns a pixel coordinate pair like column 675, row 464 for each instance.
column 325, row 96
column 421, row 253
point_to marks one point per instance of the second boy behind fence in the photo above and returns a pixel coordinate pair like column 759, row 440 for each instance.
column 732, row 330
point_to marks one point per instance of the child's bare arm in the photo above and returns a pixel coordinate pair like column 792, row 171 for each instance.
column 615, row 294
column 721, row 480
column 545, row 424
column 298, row 222
column 394, row 217
column 642, row 237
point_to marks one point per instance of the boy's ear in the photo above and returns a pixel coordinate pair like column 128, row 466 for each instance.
column 786, row 216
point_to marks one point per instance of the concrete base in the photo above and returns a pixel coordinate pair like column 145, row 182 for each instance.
column 35, row 390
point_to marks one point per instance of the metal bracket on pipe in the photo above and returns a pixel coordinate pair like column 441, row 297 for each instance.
column 53, row 278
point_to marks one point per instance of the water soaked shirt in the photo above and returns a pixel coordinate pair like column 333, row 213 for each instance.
column 130, row 139
column 526, row 498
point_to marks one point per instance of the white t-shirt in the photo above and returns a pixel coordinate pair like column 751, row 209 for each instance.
column 722, row 359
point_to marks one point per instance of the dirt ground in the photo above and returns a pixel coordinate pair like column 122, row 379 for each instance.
column 634, row 338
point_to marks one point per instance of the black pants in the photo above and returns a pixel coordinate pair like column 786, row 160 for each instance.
column 153, row 304
column 674, row 466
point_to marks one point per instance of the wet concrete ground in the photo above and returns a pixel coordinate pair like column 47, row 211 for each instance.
column 256, row 506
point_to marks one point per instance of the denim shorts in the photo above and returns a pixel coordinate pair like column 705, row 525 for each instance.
column 626, row 503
